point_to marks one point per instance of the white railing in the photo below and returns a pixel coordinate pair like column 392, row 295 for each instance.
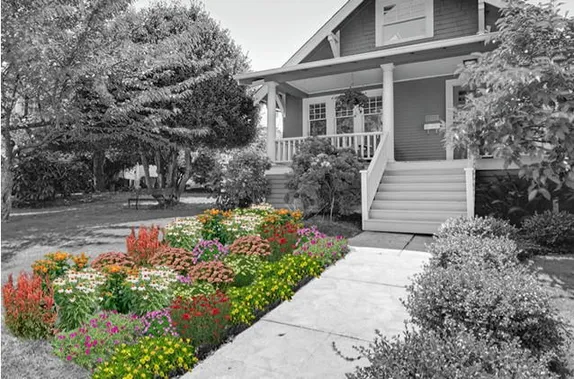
column 470, row 178
column 364, row 144
column 371, row 177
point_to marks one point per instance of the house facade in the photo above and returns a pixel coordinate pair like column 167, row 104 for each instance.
column 403, row 55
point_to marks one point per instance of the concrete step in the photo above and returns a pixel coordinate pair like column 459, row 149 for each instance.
column 413, row 215
column 424, row 172
column 428, row 165
column 457, row 178
column 422, row 187
column 279, row 190
column 421, row 196
column 419, row 205
column 401, row 226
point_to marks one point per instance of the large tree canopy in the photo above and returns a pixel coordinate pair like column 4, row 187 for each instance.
column 521, row 106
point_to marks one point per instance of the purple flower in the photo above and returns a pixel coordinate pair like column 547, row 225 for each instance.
column 88, row 351
column 73, row 335
column 61, row 337
column 69, row 358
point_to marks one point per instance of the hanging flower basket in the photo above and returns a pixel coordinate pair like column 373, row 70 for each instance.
column 352, row 98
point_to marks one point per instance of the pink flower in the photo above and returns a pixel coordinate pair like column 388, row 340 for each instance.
column 88, row 351
column 69, row 358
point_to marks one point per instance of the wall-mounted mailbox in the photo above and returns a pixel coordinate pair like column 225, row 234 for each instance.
column 433, row 122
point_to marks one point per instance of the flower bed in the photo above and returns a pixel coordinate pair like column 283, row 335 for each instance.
column 173, row 296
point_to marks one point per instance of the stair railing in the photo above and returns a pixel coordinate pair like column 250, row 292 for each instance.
column 371, row 177
column 470, row 173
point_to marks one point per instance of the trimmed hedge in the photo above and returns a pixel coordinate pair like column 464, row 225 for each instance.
column 550, row 229
column 476, row 226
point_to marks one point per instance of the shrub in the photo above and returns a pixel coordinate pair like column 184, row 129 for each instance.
column 325, row 179
column 213, row 228
column 242, row 181
column 28, row 309
column 457, row 354
column 179, row 260
column 250, row 245
column 281, row 237
column 215, row 272
column 209, row 250
column 498, row 252
column 507, row 303
column 158, row 324
column 476, row 226
column 93, row 342
column 550, row 229
column 202, row 166
column 326, row 250
column 183, row 233
column 76, row 295
column 144, row 246
column 149, row 358
column 150, row 290
column 112, row 259
column 245, row 268
column 202, row 319
column 112, row 292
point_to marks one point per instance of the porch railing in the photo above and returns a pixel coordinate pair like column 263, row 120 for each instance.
column 371, row 177
column 364, row 144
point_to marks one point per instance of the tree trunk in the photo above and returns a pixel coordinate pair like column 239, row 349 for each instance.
column 179, row 189
column 145, row 165
column 159, row 169
column 98, row 161
column 7, row 182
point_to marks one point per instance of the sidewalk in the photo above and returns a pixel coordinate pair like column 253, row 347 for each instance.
column 344, row 306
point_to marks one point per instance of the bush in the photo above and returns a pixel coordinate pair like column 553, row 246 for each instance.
column 242, row 182
column 215, row 272
column 112, row 259
column 114, row 296
column 245, row 268
column 550, row 229
column 203, row 319
column 457, row 354
column 144, row 246
column 476, row 226
column 179, row 260
column 507, row 303
column 28, row 309
column 149, row 358
column 498, row 252
column 93, row 342
column 183, row 233
column 250, row 245
column 203, row 166
column 325, row 179
column 213, row 227
column 282, row 238
column 209, row 250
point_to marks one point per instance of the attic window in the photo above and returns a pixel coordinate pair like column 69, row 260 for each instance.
column 403, row 20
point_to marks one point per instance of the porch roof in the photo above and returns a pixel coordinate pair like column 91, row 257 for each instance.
column 398, row 55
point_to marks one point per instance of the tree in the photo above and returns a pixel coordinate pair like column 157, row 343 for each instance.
column 521, row 106
column 47, row 46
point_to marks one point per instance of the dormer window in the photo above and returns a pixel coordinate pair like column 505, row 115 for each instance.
column 400, row 21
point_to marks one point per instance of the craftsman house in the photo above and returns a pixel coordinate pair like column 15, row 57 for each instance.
column 403, row 55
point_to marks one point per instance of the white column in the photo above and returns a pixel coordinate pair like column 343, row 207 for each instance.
column 271, row 120
column 389, row 107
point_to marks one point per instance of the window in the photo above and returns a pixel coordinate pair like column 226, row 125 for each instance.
column 344, row 120
column 374, row 114
column 317, row 119
column 403, row 20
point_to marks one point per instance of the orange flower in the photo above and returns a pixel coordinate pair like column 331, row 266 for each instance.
column 60, row 256
column 113, row 269
column 80, row 261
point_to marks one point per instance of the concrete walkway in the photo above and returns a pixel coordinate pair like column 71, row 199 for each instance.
column 344, row 306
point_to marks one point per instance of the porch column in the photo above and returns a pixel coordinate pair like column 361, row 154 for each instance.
column 389, row 107
column 271, row 123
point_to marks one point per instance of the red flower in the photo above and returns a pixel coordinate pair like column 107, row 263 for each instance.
column 186, row 316
column 214, row 312
column 283, row 241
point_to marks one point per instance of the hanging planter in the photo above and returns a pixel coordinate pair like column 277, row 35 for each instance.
column 352, row 98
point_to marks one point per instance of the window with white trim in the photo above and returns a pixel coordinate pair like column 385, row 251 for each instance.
column 373, row 114
column 344, row 122
column 403, row 20
column 317, row 119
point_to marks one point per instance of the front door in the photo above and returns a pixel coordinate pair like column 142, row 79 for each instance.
column 459, row 99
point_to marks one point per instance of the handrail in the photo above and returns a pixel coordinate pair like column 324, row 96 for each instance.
column 371, row 177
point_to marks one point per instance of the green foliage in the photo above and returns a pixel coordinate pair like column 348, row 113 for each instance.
column 94, row 341
column 242, row 181
column 550, row 229
column 507, row 304
column 325, row 179
column 245, row 268
column 454, row 353
column 183, row 233
column 202, row 166
column 150, row 290
column 496, row 252
column 476, row 226
column 44, row 175
column 149, row 358
column 186, row 289
column 522, row 104
column 326, row 250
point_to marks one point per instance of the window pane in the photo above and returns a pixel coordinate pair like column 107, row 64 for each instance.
column 318, row 127
column 404, row 30
column 375, row 105
column 317, row 111
column 345, row 125
column 404, row 10
column 373, row 123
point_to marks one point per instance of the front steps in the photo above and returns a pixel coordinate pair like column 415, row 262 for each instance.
column 416, row 197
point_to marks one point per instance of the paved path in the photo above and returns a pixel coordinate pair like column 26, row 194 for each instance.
column 344, row 306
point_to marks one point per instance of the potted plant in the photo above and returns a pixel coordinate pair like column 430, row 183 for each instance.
column 352, row 98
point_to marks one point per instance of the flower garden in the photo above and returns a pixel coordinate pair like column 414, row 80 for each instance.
column 173, row 296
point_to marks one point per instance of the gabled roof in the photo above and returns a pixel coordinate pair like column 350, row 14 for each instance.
column 324, row 32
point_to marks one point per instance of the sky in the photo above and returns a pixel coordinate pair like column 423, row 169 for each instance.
column 271, row 31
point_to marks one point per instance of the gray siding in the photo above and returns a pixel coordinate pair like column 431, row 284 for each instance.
column 322, row 51
column 292, row 126
column 413, row 101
